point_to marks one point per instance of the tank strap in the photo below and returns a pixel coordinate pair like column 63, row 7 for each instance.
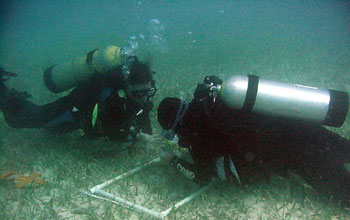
column 251, row 93
column 337, row 109
column 89, row 56
column 88, row 59
column 48, row 80
column 225, row 165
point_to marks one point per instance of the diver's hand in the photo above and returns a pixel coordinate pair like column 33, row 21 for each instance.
column 147, row 140
column 166, row 154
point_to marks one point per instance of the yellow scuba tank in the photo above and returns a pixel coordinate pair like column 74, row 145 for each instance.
column 61, row 77
column 252, row 94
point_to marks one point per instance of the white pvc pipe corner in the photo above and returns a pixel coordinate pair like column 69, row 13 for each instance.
column 97, row 192
column 128, row 173
column 129, row 204
column 187, row 199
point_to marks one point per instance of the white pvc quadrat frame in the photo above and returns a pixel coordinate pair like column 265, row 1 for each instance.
column 97, row 192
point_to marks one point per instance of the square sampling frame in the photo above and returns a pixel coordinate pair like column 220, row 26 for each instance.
column 97, row 192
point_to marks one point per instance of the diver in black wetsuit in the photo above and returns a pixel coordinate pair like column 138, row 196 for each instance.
column 241, row 146
column 103, row 105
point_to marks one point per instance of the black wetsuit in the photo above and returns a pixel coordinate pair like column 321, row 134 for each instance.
column 218, row 137
column 98, row 106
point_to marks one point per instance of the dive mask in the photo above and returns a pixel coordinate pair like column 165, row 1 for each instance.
column 139, row 91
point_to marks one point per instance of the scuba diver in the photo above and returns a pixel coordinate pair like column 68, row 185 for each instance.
column 112, row 97
column 246, row 128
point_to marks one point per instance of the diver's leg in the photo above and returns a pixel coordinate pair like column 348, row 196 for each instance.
column 15, row 107
column 22, row 113
column 318, row 156
column 331, row 179
column 320, row 162
column 328, row 145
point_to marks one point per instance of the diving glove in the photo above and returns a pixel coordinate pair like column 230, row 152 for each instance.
column 4, row 75
column 13, row 93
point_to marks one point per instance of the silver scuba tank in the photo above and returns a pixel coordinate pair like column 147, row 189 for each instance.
column 252, row 94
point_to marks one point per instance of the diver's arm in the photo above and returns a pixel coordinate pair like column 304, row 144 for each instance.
column 143, row 121
column 193, row 172
column 145, row 124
